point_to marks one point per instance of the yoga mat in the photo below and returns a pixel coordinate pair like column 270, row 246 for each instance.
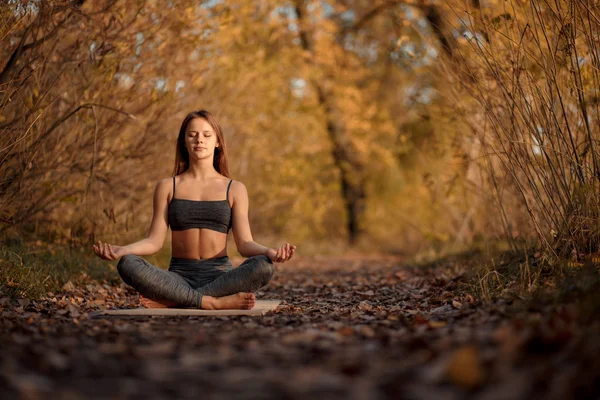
column 260, row 308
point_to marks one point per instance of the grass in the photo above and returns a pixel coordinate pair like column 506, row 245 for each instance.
column 31, row 271
column 526, row 280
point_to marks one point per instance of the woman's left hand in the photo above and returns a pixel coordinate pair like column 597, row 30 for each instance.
column 281, row 254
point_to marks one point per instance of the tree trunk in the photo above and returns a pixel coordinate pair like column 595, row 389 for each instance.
column 353, row 190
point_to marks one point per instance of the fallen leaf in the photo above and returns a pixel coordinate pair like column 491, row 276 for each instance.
column 367, row 331
column 437, row 324
column 464, row 368
column 364, row 306
column 345, row 331
column 24, row 302
column 368, row 293
column 73, row 311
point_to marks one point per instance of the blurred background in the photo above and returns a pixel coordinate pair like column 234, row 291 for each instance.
column 415, row 127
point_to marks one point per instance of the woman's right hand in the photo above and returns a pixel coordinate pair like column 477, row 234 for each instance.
column 107, row 251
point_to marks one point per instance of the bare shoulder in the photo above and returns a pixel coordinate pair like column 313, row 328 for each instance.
column 165, row 183
column 237, row 187
column 238, row 192
column 164, row 187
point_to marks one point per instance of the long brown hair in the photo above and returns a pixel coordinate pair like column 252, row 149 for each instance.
column 182, row 157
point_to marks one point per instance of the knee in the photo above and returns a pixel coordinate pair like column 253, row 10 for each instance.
column 264, row 269
column 126, row 266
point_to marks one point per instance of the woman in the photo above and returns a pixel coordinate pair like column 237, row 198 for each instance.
column 200, row 203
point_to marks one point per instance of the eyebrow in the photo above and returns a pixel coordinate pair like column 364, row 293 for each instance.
column 193, row 130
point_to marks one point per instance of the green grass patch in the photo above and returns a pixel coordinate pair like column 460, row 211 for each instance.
column 32, row 270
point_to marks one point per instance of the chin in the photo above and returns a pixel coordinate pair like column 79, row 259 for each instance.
column 200, row 156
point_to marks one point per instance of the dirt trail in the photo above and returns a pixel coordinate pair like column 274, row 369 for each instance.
column 349, row 329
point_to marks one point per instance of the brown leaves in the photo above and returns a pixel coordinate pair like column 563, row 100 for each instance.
column 353, row 330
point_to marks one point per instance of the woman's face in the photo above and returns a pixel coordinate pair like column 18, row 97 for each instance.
column 200, row 139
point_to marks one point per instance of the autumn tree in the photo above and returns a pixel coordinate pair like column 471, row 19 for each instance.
column 79, row 98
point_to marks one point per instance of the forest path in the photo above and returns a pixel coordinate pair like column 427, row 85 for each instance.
column 349, row 328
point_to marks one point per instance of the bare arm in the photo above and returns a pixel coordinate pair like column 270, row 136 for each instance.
column 156, row 235
column 242, row 235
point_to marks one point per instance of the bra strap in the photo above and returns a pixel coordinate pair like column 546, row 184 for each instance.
column 227, row 196
column 173, row 188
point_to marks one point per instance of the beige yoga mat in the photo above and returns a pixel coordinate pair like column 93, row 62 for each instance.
column 260, row 308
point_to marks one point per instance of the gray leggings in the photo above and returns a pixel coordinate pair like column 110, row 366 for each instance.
column 187, row 280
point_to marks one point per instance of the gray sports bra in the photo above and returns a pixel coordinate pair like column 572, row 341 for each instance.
column 209, row 214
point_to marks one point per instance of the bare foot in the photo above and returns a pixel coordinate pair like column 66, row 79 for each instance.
column 149, row 303
column 238, row 301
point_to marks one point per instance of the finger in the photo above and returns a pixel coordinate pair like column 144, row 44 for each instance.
column 112, row 254
column 105, row 252
column 101, row 253
column 283, row 253
column 286, row 250
column 291, row 252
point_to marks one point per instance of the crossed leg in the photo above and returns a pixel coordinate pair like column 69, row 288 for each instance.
column 238, row 285
column 164, row 287
column 161, row 288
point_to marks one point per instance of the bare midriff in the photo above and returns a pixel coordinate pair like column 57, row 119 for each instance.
column 198, row 243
